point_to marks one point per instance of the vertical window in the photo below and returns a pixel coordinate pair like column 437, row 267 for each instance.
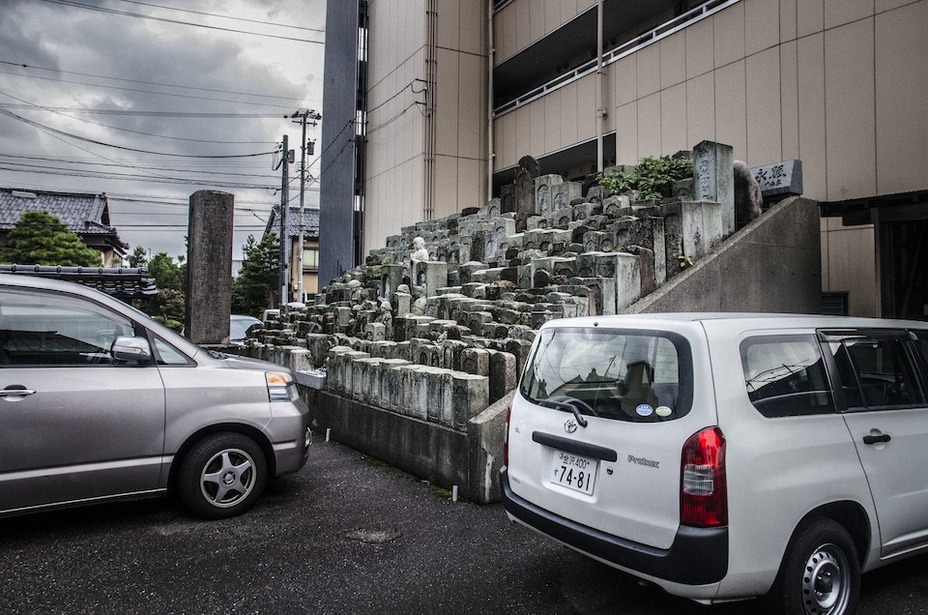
column 785, row 375
column 311, row 259
column 877, row 372
column 922, row 345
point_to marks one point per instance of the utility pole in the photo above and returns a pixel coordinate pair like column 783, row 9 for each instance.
column 285, row 161
column 300, row 117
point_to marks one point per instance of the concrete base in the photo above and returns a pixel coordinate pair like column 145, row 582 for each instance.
column 470, row 460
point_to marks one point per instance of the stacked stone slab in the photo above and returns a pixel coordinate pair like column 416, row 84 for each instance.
column 410, row 336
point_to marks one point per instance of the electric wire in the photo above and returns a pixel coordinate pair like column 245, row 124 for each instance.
column 129, row 130
column 266, row 23
column 140, row 91
column 110, row 11
column 143, row 82
column 4, row 111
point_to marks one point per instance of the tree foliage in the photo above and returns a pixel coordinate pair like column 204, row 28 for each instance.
column 167, row 307
column 253, row 289
column 138, row 258
column 168, row 273
column 39, row 238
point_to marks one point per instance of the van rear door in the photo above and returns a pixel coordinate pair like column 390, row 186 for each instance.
column 599, row 423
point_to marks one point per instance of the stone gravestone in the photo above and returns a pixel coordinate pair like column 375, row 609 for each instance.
column 713, row 179
column 209, row 267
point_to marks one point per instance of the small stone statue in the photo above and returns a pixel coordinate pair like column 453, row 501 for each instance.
column 421, row 253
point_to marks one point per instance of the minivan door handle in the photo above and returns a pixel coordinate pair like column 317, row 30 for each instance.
column 877, row 439
column 15, row 391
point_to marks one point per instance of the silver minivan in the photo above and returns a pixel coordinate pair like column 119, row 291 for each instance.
column 727, row 456
column 99, row 402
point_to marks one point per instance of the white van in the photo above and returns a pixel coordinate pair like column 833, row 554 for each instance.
column 727, row 456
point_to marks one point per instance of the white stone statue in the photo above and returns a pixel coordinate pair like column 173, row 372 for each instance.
column 421, row 254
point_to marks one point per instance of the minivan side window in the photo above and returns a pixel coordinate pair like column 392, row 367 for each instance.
column 54, row 329
column 877, row 372
column 921, row 345
column 785, row 375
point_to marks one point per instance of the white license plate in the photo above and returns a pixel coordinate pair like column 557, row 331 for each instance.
column 574, row 472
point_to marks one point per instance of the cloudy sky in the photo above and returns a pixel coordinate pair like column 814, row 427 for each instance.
column 150, row 101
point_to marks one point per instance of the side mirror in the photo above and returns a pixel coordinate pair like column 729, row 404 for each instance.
column 131, row 349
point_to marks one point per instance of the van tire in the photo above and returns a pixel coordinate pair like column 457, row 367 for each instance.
column 820, row 574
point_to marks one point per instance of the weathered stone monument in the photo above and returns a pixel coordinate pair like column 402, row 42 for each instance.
column 713, row 179
column 209, row 267
column 424, row 343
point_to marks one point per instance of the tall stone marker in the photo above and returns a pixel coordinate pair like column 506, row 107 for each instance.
column 713, row 179
column 209, row 267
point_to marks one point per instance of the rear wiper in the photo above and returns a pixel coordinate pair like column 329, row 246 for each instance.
column 562, row 405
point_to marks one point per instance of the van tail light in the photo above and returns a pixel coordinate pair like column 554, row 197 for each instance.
column 703, row 486
column 506, row 436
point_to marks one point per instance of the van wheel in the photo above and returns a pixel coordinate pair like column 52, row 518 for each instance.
column 222, row 475
column 820, row 574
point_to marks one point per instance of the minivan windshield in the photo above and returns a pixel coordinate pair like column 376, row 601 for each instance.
column 636, row 376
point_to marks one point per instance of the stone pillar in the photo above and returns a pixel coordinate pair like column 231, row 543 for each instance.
column 524, row 193
column 544, row 193
column 209, row 267
column 691, row 230
column 391, row 279
column 713, row 178
column 432, row 275
column 565, row 193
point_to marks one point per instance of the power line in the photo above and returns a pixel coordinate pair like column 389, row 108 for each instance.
column 166, row 85
column 4, row 111
column 156, row 179
column 101, row 9
column 139, row 113
column 236, row 166
column 13, row 159
column 267, row 23
column 138, row 178
column 137, row 132
column 138, row 91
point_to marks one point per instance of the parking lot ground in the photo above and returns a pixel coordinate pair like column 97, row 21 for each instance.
column 345, row 535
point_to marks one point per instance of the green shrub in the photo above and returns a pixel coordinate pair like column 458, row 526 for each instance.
column 653, row 178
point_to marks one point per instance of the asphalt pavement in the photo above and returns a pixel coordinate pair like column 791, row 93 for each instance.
column 345, row 535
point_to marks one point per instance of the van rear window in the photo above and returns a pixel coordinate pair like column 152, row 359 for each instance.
column 635, row 376
column 785, row 375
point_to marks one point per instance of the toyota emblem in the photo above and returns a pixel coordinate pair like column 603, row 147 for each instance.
column 570, row 425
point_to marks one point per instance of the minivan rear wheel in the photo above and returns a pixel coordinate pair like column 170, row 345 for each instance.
column 222, row 475
column 820, row 574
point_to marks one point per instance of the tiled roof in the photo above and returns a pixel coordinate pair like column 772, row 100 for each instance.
column 310, row 222
column 85, row 214
column 122, row 283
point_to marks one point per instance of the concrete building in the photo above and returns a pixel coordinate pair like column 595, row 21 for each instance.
column 430, row 104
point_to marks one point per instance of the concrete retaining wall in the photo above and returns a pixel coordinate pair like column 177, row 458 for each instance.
column 469, row 459
column 771, row 265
